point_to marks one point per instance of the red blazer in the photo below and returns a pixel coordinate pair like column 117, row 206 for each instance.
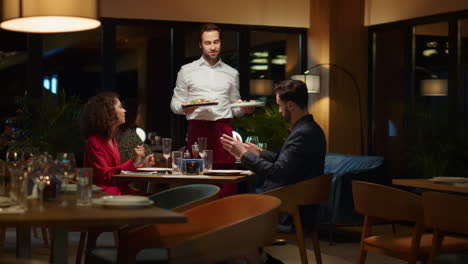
column 105, row 161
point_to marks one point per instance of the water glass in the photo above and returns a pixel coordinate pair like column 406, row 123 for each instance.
column 207, row 159
column 176, row 161
column 84, row 191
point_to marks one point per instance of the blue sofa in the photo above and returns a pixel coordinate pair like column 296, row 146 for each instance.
column 339, row 209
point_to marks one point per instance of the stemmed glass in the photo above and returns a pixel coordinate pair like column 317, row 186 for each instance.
column 41, row 181
column 201, row 146
column 166, row 148
column 66, row 165
column 252, row 139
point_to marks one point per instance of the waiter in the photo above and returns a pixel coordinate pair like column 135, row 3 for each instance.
column 211, row 79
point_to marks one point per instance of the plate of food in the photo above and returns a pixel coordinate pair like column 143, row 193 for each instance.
column 199, row 102
column 123, row 201
column 248, row 103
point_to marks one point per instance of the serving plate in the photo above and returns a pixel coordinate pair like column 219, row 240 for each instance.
column 201, row 104
column 247, row 104
column 154, row 169
column 123, row 201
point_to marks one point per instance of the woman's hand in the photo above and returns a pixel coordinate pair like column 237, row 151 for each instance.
column 149, row 161
column 138, row 154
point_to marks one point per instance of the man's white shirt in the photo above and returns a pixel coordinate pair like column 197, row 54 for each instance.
column 218, row 83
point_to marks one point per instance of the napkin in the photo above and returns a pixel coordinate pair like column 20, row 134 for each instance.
column 12, row 210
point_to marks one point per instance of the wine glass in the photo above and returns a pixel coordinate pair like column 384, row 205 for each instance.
column 41, row 181
column 252, row 139
column 66, row 165
column 166, row 149
column 201, row 146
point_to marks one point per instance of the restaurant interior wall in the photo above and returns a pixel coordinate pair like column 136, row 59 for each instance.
column 383, row 11
column 337, row 35
column 293, row 13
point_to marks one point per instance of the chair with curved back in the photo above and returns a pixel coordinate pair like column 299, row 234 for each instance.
column 376, row 201
column 446, row 214
column 224, row 229
column 178, row 199
column 308, row 192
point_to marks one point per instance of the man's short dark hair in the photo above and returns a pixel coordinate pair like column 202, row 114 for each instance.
column 293, row 90
column 209, row 27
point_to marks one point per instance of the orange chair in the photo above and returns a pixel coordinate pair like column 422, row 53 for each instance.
column 312, row 191
column 235, row 226
column 376, row 201
column 445, row 213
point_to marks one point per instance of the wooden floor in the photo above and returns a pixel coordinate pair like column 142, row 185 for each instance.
column 344, row 251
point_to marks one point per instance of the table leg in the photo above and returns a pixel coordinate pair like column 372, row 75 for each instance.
column 23, row 242
column 59, row 245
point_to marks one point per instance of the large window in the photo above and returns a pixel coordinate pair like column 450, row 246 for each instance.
column 418, row 88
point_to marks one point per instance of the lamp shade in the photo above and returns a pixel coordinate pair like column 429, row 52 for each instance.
column 261, row 87
column 434, row 87
column 49, row 16
column 312, row 82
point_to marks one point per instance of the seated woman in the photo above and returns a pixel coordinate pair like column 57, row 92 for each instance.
column 100, row 119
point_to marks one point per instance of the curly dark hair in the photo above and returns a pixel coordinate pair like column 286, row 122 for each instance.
column 98, row 116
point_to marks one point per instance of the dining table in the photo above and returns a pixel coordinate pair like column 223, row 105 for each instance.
column 60, row 217
column 246, row 180
column 431, row 185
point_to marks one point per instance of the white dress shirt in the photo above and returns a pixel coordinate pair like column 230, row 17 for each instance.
column 218, row 83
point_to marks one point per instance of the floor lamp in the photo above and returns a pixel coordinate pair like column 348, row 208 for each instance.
column 356, row 89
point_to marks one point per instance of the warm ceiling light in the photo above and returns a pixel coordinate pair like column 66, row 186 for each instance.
column 49, row 16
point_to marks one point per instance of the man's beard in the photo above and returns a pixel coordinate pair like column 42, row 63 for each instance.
column 287, row 115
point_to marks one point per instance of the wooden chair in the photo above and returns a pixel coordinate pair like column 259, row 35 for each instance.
column 312, row 191
column 445, row 213
column 177, row 199
column 376, row 201
column 235, row 226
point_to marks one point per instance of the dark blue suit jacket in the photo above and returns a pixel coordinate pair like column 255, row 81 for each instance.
column 301, row 157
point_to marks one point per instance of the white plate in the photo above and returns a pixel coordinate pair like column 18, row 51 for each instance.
column 449, row 179
column 74, row 188
column 257, row 104
column 226, row 172
column 123, row 201
column 5, row 201
column 154, row 169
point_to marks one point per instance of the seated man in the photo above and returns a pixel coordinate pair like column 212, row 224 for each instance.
column 302, row 155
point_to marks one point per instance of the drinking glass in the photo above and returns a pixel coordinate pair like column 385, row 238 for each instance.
column 252, row 139
column 66, row 166
column 84, row 191
column 176, row 161
column 2, row 178
column 19, row 186
column 201, row 145
column 262, row 145
column 166, row 149
column 41, row 181
column 207, row 159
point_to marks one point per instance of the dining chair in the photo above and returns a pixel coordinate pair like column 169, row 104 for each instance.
column 178, row 199
column 225, row 229
column 309, row 192
column 377, row 202
column 446, row 214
